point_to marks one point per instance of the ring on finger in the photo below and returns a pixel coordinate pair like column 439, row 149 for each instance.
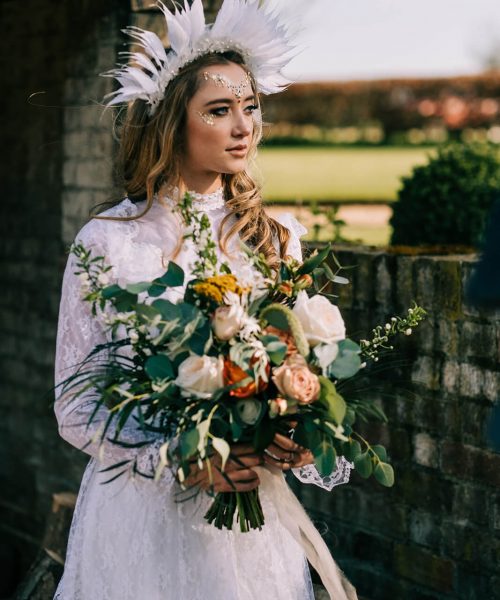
column 272, row 455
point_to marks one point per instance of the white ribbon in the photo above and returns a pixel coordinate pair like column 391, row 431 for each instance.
column 293, row 516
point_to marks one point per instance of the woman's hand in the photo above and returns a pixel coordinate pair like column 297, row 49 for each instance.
column 286, row 454
column 238, row 470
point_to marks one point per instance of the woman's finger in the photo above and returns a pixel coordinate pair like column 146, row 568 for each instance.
column 279, row 453
column 280, row 464
column 285, row 442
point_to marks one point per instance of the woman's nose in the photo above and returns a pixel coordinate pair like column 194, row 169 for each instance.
column 242, row 125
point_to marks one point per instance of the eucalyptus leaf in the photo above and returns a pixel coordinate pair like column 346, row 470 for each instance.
column 159, row 366
column 277, row 351
column 156, row 289
column 199, row 341
column 363, row 465
column 332, row 400
column 122, row 300
column 168, row 310
column 348, row 361
column 137, row 288
column 384, row 474
column 146, row 313
column 351, row 449
column 380, row 451
column 324, row 457
column 174, row 277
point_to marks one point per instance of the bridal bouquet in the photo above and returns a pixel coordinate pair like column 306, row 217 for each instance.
column 231, row 361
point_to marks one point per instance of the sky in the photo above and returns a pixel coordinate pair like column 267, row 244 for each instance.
column 369, row 39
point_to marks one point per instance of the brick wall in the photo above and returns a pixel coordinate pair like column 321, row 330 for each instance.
column 436, row 533
column 54, row 166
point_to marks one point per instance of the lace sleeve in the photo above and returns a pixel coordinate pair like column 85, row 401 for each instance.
column 78, row 333
column 297, row 230
column 341, row 474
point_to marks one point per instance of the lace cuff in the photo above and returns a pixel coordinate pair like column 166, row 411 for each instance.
column 310, row 474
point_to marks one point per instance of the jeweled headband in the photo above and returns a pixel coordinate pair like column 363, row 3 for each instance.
column 249, row 27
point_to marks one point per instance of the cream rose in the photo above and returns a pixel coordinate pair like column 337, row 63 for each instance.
column 200, row 376
column 320, row 319
column 227, row 321
column 294, row 379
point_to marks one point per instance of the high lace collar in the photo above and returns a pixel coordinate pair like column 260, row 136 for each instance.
column 201, row 202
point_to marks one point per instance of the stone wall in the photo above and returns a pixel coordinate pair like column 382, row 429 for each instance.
column 436, row 533
column 53, row 169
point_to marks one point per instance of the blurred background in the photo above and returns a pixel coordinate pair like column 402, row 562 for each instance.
column 382, row 83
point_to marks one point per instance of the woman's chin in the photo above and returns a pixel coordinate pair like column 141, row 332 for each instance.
column 236, row 166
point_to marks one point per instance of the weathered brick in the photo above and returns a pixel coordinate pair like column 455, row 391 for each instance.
column 425, row 372
column 383, row 281
column 450, row 376
column 425, row 450
column 424, row 490
column 470, row 503
column 471, row 379
column 424, row 283
column 491, row 385
column 405, row 293
column 425, row 528
column 469, row 463
column 448, row 282
column 447, row 337
column 423, row 567
column 477, row 340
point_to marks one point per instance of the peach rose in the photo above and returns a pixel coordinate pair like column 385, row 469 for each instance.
column 294, row 379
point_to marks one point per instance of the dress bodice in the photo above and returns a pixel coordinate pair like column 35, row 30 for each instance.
column 139, row 247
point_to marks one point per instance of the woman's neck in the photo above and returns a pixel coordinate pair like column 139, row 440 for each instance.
column 202, row 183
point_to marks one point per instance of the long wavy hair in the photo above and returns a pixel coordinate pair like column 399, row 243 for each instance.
column 151, row 152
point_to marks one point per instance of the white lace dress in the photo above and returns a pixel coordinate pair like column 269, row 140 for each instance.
column 132, row 539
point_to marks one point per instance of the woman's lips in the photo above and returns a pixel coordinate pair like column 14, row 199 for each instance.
column 240, row 150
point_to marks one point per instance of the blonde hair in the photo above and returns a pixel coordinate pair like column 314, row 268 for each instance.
column 151, row 150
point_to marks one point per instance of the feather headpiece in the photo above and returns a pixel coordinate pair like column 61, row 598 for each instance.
column 249, row 27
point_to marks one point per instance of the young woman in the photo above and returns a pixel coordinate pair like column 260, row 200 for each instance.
column 196, row 131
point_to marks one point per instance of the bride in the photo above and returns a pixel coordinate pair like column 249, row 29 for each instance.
column 193, row 123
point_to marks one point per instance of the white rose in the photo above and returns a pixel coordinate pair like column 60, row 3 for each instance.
column 200, row 376
column 326, row 354
column 227, row 321
column 320, row 319
column 249, row 410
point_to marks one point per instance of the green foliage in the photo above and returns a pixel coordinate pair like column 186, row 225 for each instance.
column 447, row 200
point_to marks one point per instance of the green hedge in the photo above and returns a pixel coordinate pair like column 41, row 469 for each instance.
column 447, row 201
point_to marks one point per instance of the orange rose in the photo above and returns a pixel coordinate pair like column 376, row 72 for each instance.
column 234, row 374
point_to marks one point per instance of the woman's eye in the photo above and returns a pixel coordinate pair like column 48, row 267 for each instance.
column 252, row 108
column 220, row 112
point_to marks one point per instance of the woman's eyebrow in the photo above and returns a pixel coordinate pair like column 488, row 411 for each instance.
column 228, row 100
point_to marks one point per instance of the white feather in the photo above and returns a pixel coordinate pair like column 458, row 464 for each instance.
column 251, row 27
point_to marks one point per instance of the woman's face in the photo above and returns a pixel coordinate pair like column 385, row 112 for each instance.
column 219, row 122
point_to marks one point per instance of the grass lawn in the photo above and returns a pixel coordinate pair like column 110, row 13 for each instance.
column 335, row 173
column 369, row 236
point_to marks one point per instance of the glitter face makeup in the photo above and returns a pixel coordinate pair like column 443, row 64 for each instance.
column 222, row 81
column 207, row 118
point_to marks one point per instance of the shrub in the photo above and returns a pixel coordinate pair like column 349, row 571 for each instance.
column 447, row 201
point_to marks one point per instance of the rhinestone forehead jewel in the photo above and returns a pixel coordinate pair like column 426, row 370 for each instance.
column 250, row 27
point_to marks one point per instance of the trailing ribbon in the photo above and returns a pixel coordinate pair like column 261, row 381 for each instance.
column 294, row 518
